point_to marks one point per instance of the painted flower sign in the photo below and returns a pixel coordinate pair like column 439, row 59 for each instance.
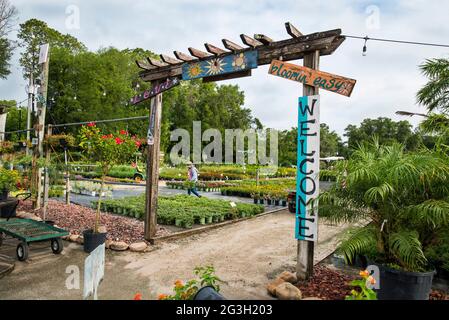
column 220, row 65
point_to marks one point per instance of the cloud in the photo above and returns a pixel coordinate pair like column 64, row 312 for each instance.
column 387, row 78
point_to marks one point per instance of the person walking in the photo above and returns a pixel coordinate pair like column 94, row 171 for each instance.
column 192, row 174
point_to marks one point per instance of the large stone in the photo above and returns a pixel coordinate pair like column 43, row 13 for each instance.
column 312, row 298
column 288, row 277
column 287, row 291
column 26, row 215
column 118, row 246
column 138, row 247
column 271, row 287
column 80, row 240
column 107, row 244
column 73, row 237
column 102, row 229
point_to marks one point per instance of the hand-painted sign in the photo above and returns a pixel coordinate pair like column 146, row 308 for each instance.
column 308, row 168
column 93, row 272
column 155, row 90
column 215, row 66
column 312, row 77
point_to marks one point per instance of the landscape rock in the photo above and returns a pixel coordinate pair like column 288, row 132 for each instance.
column 288, row 277
column 118, row 246
column 26, row 215
column 138, row 247
column 271, row 287
column 80, row 240
column 102, row 229
column 287, row 291
column 73, row 237
column 107, row 244
column 312, row 298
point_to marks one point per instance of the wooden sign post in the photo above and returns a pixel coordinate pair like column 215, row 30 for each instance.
column 312, row 77
column 152, row 181
column 305, row 254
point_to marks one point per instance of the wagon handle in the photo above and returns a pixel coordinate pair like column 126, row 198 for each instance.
column 28, row 195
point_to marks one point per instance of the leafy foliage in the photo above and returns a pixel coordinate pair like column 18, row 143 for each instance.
column 405, row 195
column 435, row 94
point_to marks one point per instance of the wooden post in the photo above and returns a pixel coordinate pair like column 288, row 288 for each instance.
column 304, row 265
column 67, row 177
column 152, row 181
column 46, row 176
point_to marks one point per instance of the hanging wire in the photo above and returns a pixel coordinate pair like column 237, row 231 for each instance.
column 398, row 41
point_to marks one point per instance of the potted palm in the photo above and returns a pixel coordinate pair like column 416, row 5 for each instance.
column 404, row 198
column 107, row 151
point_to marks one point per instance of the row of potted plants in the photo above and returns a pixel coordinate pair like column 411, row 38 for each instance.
column 207, row 186
column 182, row 210
column 90, row 188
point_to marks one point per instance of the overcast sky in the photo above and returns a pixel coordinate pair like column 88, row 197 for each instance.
column 387, row 78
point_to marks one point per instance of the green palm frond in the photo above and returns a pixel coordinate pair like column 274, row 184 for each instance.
column 435, row 213
column 336, row 209
column 407, row 249
column 357, row 242
column 435, row 94
column 378, row 194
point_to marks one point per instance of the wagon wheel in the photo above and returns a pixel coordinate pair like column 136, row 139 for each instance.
column 22, row 251
column 57, row 246
column 138, row 178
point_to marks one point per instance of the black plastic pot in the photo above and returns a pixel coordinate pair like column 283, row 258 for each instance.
column 269, row 202
column 255, row 201
column 284, row 203
column 93, row 240
column 50, row 222
column 403, row 285
column 208, row 293
column 276, row 202
column 4, row 194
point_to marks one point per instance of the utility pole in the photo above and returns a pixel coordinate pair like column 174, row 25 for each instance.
column 305, row 253
column 30, row 107
column 38, row 151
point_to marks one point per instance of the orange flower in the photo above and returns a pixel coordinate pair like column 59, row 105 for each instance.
column 138, row 296
column 178, row 284
column 372, row 280
column 364, row 274
column 162, row 297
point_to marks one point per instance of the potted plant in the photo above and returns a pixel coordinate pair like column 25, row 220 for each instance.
column 8, row 182
column 404, row 195
column 107, row 151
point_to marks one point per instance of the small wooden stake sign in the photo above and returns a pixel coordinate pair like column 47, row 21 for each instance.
column 312, row 77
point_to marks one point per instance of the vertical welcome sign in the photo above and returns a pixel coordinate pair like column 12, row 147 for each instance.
column 308, row 168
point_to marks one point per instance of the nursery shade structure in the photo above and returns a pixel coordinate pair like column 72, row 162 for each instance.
column 217, row 64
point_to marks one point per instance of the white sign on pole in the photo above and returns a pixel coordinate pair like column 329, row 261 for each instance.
column 43, row 53
column 308, row 168
column 93, row 272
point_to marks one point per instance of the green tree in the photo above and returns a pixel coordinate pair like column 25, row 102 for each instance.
column 387, row 131
column 7, row 19
column 34, row 33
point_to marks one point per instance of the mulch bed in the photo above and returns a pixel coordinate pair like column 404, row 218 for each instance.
column 76, row 219
column 329, row 284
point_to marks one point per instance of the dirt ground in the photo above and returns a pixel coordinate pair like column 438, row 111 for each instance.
column 246, row 255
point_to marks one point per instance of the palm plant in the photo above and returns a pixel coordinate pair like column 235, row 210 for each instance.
column 403, row 195
column 435, row 94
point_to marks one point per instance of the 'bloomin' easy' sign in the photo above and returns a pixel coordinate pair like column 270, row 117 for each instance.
column 308, row 168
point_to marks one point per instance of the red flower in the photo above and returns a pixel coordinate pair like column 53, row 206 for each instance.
column 118, row 140
column 138, row 296
column 133, row 165
column 138, row 144
column 91, row 124
column 123, row 132
column 104, row 137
